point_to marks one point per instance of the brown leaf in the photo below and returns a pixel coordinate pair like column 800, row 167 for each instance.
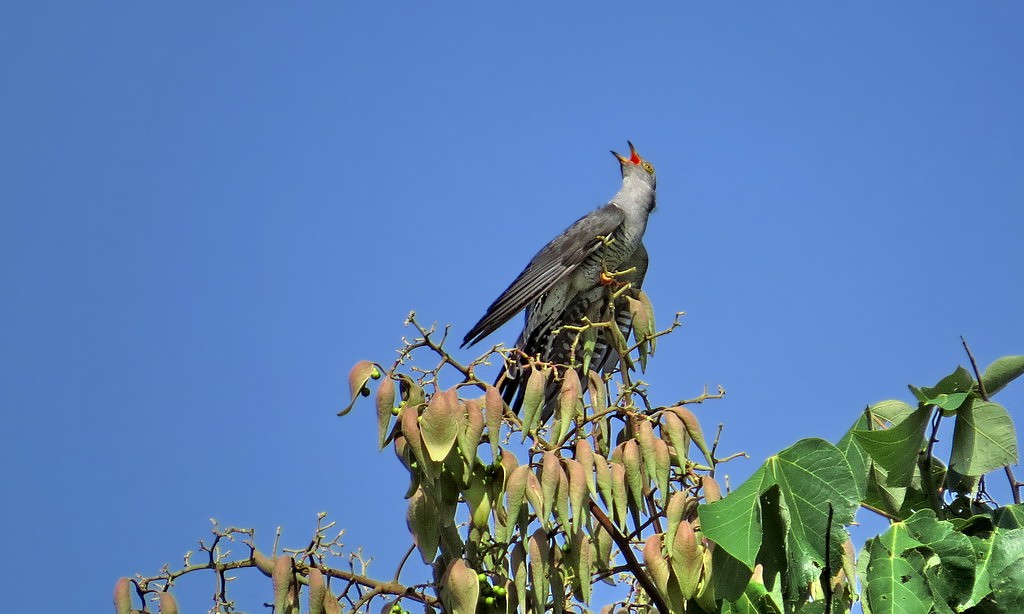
column 439, row 424
column 357, row 378
column 494, row 411
column 385, row 403
column 460, row 589
column 123, row 596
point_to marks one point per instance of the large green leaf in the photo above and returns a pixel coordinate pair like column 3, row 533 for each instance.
column 1001, row 372
column 810, row 475
column 1009, row 517
column 896, row 449
column 894, row 583
column 855, row 455
column 1007, row 570
column 950, row 572
column 983, row 439
column 734, row 523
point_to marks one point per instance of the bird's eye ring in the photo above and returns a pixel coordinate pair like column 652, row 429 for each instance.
column 648, row 167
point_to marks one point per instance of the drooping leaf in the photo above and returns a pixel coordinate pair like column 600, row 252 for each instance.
column 422, row 521
column 620, row 494
column 662, row 469
column 585, row 455
column 686, row 560
column 584, row 565
column 494, row 411
column 357, row 378
column 675, row 510
column 604, row 481
column 471, row 429
column 645, row 440
column 535, row 495
column 1001, row 372
column 533, row 399
column 169, row 605
column 655, row 562
column 562, row 500
column 694, row 430
column 983, row 439
column 478, row 497
column 439, row 424
column 460, row 589
column 597, row 391
column 385, row 402
column 673, row 429
column 570, row 404
column 123, row 596
column 317, row 591
column 520, row 572
column 551, row 469
column 285, row 594
column 540, row 568
column 634, row 479
column 577, row 492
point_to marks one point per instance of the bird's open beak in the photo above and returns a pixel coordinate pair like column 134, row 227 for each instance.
column 633, row 158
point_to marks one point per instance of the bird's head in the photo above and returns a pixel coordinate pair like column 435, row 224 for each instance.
column 636, row 167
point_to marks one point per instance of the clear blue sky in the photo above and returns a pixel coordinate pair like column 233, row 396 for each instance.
column 208, row 213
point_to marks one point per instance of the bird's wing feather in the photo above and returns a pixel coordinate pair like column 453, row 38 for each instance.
column 551, row 264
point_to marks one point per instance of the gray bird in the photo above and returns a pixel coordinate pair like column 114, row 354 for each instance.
column 564, row 282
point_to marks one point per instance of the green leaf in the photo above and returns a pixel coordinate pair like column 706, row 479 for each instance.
column 855, row 455
column 896, row 449
column 1001, row 372
column 957, row 381
column 950, row 573
column 734, row 522
column 983, row 439
column 894, row 583
column 1009, row 517
column 1007, row 570
column 810, row 475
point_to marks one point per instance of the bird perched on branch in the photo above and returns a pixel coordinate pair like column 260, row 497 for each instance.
column 567, row 279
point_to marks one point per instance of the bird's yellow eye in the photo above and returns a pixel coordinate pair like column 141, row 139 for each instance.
column 649, row 168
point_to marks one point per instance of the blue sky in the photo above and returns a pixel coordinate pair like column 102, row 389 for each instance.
column 209, row 213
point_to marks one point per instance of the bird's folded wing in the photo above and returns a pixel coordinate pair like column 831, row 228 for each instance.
column 553, row 263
